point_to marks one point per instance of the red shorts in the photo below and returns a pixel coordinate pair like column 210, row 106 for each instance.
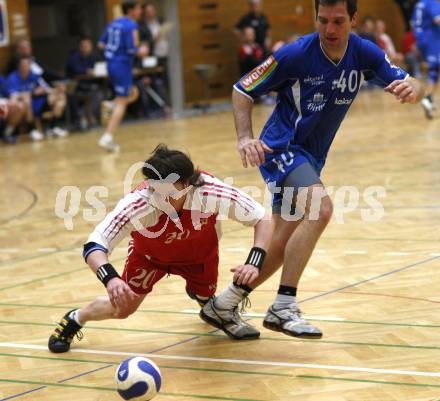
column 141, row 274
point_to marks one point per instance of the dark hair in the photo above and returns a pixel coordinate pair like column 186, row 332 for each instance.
column 166, row 161
column 128, row 5
column 351, row 5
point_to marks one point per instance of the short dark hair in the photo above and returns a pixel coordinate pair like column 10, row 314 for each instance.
column 128, row 5
column 351, row 5
column 167, row 161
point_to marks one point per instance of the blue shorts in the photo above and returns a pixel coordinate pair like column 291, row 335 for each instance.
column 278, row 165
column 430, row 50
column 38, row 104
column 121, row 77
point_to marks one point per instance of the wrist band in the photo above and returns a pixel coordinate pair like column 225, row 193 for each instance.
column 256, row 257
column 105, row 273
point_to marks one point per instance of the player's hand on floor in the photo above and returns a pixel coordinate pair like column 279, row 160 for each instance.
column 245, row 274
column 252, row 150
column 403, row 90
column 120, row 293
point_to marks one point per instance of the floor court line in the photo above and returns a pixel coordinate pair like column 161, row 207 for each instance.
column 235, row 361
column 400, row 269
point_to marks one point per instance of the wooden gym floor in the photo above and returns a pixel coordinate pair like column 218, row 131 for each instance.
column 373, row 287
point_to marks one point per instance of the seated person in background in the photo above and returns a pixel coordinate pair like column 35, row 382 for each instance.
column 368, row 29
column 36, row 96
column 257, row 20
column 411, row 55
column 23, row 48
column 386, row 43
column 80, row 64
column 11, row 113
column 251, row 53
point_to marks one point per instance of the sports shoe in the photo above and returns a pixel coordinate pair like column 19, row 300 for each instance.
column 106, row 142
column 290, row 321
column 228, row 320
column 36, row 135
column 428, row 106
column 63, row 335
column 201, row 301
column 59, row 132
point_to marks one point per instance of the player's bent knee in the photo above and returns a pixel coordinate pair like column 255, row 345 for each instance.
column 326, row 211
column 124, row 313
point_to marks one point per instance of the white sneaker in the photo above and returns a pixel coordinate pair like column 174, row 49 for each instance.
column 228, row 320
column 36, row 135
column 59, row 132
column 106, row 142
column 289, row 320
column 428, row 107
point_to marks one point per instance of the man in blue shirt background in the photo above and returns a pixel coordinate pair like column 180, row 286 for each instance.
column 425, row 22
column 120, row 43
column 317, row 78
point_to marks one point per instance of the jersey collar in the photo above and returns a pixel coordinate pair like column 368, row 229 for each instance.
column 328, row 58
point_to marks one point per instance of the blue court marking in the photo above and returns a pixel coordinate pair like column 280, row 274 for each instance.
column 370, row 279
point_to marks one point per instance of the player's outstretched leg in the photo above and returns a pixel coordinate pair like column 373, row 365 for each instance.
column 228, row 320
column 66, row 329
column 288, row 319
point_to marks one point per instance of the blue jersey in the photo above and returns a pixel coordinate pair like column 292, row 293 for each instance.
column 16, row 84
column 423, row 20
column 118, row 39
column 314, row 93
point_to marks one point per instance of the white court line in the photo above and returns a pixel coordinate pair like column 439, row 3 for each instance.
column 235, row 249
column 47, row 250
column 9, row 250
column 251, row 314
column 319, row 251
column 234, row 361
column 434, row 254
column 355, row 252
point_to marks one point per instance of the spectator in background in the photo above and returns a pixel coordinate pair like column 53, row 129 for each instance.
column 411, row 54
column 251, row 54
column 386, row 43
column 368, row 29
column 159, row 31
column 37, row 96
column 11, row 113
column 80, row 64
column 23, row 49
column 257, row 20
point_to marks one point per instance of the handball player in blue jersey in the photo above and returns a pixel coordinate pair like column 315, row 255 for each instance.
column 425, row 23
column 120, row 43
column 317, row 78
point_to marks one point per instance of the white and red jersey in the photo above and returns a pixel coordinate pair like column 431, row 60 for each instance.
column 192, row 237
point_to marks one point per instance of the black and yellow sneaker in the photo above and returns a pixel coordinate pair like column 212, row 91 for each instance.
column 63, row 335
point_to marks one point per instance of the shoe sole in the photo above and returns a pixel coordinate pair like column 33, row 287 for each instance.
column 275, row 327
column 214, row 323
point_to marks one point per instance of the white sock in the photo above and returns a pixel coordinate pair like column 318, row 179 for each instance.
column 283, row 301
column 75, row 316
column 230, row 297
column 9, row 130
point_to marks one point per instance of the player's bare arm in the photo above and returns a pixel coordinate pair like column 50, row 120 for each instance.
column 409, row 90
column 245, row 274
column 119, row 292
column 251, row 150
